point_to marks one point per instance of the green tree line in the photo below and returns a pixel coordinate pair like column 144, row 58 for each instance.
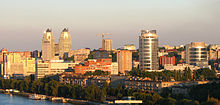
column 185, row 75
column 54, row 88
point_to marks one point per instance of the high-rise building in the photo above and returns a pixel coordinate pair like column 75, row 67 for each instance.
column 16, row 63
column 196, row 54
column 48, row 46
column 3, row 61
column 148, row 49
column 65, row 43
column 107, row 44
column 124, row 59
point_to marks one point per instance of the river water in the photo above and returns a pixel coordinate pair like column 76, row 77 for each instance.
column 18, row 100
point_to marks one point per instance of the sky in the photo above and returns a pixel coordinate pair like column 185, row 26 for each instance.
column 178, row 22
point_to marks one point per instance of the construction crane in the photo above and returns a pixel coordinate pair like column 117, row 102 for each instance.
column 103, row 35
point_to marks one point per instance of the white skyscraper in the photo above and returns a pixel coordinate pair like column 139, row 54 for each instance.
column 65, row 43
column 48, row 50
column 148, row 49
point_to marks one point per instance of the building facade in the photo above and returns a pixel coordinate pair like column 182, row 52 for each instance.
column 16, row 63
column 167, row 60
column 65, row 43
column 52, row 67
column 107, row 45
column 48, row 46
column 214, row 52
column 180, row 67
column 147, row 84
column 124, row 59
column 101, row 54
column 114, row 68
column 93, row 65
column 196, row 54
column 79, row 55
column 148, row 49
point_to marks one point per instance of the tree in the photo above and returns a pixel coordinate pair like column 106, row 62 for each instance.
column 70, row 58
column 186, row 102
column 90, row 92
column 211, row 101
column 167, row 101
column 114, row 57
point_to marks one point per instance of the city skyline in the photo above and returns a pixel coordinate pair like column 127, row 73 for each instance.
column 110, row 52
column 177, row 23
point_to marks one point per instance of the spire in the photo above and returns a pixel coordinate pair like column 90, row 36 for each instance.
column 65, row 30
column 48, row 30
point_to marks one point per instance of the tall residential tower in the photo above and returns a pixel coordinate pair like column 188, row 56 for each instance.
column 196, row 54
column 65, row 43
column 148, row 49
column 124, row 59
column 107, row 44
column 48, row 50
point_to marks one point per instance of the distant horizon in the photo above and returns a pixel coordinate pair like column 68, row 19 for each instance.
column 177, row 22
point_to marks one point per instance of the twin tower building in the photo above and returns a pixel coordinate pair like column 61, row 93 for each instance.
column 51, row 50
column 148, row 48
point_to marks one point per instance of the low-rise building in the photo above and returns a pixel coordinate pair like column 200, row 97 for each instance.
column 148, row 84
column 184, row 88
column 167, row 60
column 98, row 81
column 167, row 47
column 117, row 80
column 93, row 65
column 114, row 68
column 213, row 52
column 70, row 78
column 180, row 67
column 130, row 47
column 101, row 54
column 79, row 55
column 52, row 68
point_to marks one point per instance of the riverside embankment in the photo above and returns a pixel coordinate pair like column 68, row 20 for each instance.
column 52, row 98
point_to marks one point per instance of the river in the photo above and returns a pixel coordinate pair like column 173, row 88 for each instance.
column 19, row 100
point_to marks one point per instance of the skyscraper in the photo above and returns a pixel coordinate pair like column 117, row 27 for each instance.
column 148, row 49
column 48, row 46
column 124, row 59
column 196, row 54
column 107, row 44
column 65, row 43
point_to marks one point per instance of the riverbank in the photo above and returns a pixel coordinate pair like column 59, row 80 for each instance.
column 53, row 99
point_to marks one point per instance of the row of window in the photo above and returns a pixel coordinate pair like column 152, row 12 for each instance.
column 198, row 57
column 193, row 60
column 198, row 53
column 150, row 39
column 197, row 49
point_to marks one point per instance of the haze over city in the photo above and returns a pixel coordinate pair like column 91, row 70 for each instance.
column 177, row 22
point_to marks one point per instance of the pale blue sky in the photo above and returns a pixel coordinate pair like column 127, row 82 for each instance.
column 177, row 22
